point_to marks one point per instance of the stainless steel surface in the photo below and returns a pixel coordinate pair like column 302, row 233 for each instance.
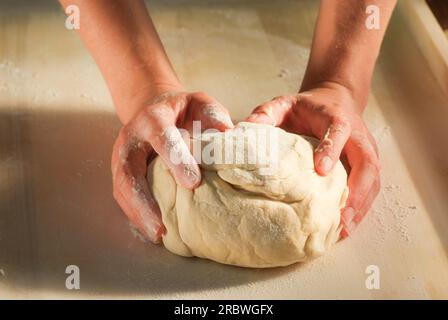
column 57, row 127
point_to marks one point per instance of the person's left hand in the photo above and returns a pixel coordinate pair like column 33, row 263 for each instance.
column 329, row 113
column 155, row 130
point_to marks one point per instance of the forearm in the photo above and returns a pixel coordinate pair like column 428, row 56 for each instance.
column 122, row 39
column 344, row 50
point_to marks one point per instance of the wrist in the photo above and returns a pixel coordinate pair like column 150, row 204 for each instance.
column 163, row 88
column 341, row 92
column 130, row 107
column 344, row 67
column 358, row 92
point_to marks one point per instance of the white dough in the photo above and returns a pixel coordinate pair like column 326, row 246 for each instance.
column 241, row 217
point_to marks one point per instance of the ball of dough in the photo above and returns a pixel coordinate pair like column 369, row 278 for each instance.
column 242, row 216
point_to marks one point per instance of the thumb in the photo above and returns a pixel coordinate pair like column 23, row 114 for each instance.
column 330, row 147
column 215, row 116
column 272, row 112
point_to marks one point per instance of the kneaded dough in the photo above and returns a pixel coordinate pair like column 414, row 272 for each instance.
column 242, row 217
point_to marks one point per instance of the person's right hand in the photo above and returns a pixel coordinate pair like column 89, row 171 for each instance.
column 154, row 130
column 329, row 112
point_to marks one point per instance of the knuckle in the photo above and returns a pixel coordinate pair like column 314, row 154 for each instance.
column 281, row 104
column 304, row 98
column 285, row 100
column 213, row 106
column 124, row 136
column 355, row 200
column 263, row 108
column 310, row 107
column 372, row 162
column 131, row 131
column 340, row 123
column 200, row 95
column 151, row 111
column 123, row 133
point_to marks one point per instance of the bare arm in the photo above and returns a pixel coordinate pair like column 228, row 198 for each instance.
column 150, row 103
column 344, row 50
column 121, row 37
column 333, row 96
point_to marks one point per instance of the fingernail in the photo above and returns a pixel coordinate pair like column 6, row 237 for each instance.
column 325, row 164
column 348, row 215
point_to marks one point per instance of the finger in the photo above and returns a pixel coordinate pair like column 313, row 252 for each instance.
column 355, row 218
column 368, row 201
column 157, row 126
column 213, row 115
column 208, row 111
column 272, row 112
column 327, row 153
column 131, row 189
column 363, row 182
column 360, row 182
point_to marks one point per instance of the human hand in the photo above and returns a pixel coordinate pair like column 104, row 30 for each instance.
column 154, row 130
column 329, row 113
